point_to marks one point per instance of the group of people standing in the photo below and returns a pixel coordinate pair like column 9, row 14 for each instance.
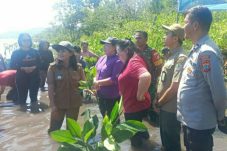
column 188, row 91
column 27, row 70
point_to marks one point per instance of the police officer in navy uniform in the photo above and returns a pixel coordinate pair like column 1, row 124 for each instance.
column 202, row 94
column 26, row 61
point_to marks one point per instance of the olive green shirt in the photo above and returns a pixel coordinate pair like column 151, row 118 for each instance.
column 171, row 72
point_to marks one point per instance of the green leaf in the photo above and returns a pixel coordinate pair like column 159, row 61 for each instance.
column 133, row 126
column 103, row 129
column 74, row 127
column 62, row 136
column 95, row 121
column 81, row 82
column 82, row 87
column 70, row 147
column 105, row 120
column 110, row 144
column 120, row 106
column 108, row 128
column 88, row 126
column 88, row 135
column 93, row 71
column 90, row 147
column 121, row 135
column 114, row 113
column 86, row 114
column 137, row 125
column 100, row 147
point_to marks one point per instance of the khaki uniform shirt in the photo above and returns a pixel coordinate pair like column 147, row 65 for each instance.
column 171, row 72
column 66, row 83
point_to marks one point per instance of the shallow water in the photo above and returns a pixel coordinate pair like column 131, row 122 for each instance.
column 21, row 131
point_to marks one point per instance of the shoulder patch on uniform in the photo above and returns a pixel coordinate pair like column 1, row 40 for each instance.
column 205, row 62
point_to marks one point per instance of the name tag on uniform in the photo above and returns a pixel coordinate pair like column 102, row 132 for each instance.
column 58, row 75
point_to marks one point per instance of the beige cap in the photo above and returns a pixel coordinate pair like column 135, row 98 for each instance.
column 63, row 45
column 177, row 29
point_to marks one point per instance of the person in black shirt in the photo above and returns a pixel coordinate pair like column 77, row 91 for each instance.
column 46, row 57
column 26, row 61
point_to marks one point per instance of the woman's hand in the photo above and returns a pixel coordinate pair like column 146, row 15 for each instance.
column 96, row 85
column 91, row 92
column 140, row 97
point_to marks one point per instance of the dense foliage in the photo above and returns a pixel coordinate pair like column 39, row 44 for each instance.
column 93, row 20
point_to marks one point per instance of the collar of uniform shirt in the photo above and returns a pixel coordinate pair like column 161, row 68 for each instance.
column 200, row 42
column 194, row 48
column 175, row 51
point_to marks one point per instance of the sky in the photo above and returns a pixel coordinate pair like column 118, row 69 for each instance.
column 19, row 15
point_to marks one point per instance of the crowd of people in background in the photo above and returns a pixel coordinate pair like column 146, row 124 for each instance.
column 186, row 92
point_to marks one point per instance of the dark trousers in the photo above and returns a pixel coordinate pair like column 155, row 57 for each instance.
column 43, row 76
column 27, row 82
column 170, row 131
column 198, row 140
column 12, row 94
column 137, row 139
column 106, row 105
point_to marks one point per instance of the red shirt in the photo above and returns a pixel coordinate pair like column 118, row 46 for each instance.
column 7, row 77
column 128, row 85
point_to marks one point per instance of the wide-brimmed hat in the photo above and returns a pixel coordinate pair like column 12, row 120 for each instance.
column 64, row 45
column 109, row 40
column 177, row 30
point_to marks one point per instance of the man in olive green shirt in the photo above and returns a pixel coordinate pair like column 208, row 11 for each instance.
column 168, row 86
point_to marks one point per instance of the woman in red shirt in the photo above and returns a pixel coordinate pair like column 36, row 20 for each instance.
column 134, row 82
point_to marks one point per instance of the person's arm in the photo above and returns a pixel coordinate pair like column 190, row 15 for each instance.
column 143, row 85
column 93, row 54
column 50, row 82
column 117, row 67
column 138, row 69
column 103, row 82
column 14, row 61
column 168, row 94
column 212, row 70
column 172, row 90
column 38, row 59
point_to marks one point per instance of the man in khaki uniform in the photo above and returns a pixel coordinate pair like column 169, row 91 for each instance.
column 168, row 86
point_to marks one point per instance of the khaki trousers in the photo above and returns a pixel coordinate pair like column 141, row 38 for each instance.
column 58, row 115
